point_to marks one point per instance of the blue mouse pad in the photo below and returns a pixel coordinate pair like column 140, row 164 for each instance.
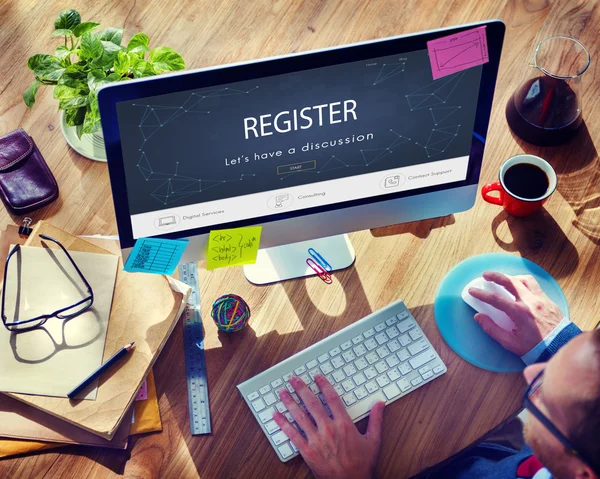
column 455, row 320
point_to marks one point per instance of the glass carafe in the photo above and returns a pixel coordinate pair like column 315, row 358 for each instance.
column 546, row 109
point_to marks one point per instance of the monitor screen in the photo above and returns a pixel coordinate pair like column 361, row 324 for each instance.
column 290, row 143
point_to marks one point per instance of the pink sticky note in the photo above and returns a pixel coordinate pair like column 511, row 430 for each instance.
column 142, row 394
column 458, row 52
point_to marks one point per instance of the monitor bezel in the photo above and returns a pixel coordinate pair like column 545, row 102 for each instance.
column 110, row 95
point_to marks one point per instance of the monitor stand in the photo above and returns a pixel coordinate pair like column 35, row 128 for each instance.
column 289, row 261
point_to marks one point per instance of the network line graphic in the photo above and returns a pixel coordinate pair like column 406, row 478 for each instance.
column 439, row 140
column 435, row 93
column 439, row 114
column 388, row 70
column 174, row 186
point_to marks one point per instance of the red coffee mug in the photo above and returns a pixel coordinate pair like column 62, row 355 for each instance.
column 513, row 204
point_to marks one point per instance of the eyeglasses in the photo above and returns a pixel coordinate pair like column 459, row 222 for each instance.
column 540, row 416
column 67, row 312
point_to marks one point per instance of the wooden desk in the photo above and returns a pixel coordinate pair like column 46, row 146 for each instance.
column 406, row 261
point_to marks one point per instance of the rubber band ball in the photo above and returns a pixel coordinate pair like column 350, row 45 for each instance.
column 230, row 313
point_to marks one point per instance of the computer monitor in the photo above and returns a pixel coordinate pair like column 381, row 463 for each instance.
column 309, row 145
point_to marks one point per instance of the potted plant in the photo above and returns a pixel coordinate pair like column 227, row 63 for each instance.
column 85, row 60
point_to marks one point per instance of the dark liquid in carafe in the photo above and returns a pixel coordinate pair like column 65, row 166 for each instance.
column 544, row 111
column 526, row 181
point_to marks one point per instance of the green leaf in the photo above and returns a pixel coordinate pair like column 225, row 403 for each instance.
column 29, row 94
column 74, row 102
column 75, row 116
column 67, row 19
column 111, row 34
column 61, row 32
column 109, row 56
column 50, row 69
column 138, row 43
column 165, row 59
column 35, row 60
column 122, row 63
column 84, row 27
column 92, row 124
column 79, row 130
column 142, row 68
column 70, row 97
column 74, row 77
column 91, row 47
column 62, row 52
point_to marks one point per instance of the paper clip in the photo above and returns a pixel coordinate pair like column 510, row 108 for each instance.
column 319, row 259
column 25, row 230
column 317, row 268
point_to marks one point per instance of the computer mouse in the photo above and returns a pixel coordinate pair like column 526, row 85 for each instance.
column 499, row 317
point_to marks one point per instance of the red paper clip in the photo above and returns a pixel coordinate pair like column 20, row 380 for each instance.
column 317, row 268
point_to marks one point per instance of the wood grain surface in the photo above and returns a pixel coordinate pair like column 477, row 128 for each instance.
column 406, row 261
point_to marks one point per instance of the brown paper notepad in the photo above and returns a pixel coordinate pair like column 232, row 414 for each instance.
column 145, row 309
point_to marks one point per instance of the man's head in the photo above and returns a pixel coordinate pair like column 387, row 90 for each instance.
column 570, row 397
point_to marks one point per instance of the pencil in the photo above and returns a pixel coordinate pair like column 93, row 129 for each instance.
column 112, row 360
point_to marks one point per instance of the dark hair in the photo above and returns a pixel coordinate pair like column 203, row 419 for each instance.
column 586, row 432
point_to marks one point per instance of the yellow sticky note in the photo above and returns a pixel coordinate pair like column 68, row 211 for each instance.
column 233, row 247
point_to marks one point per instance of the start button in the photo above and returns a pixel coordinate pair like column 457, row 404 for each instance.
column 296, row 167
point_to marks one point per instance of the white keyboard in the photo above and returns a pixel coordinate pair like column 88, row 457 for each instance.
column 381, row 357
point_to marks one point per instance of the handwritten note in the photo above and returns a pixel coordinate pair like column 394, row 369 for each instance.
column 155, row 255
column 233, row 247
column 458, row 52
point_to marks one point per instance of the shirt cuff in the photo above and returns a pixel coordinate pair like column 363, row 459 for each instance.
column 534, row 353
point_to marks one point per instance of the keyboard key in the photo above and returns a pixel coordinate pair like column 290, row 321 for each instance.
column 383, row 381
column 360, row 350
column 313, row 372
column 381, row 367
column 277, row 383
column 339, row 376
column 349, row 356
column 381, row 338
column 427, row 375
column 404, row 339
column 294, row 448
column 335, row 351
column 405, row 325
column 272, row 427
column 306, row 378
column 350, row 370
column 281, row 407
column 416, row 381
column 370, row 344
column 278, row 390
column 380, row 327
column 372, row 358
column 258, row 405
column 417, row 347
column 371, row 387
column 311, row 365
column 370, row 372
column 392, row 361
column 402, row 315
column 358, row 339
column 403, row 355
column 287, row 376
column 300, row 370
column 295, row 398
column 289, row 417
column 364, row 406
column 270, row 399
column 416, row 334
column 330, row 379
column 265, row 389
column 424, row 369
column 361, row 393
column 392, row 333
column 253, row 396
column 326, row 367
column 266, row 415
column 393, row 374
column 279, row 438
column 422, row 358
column 383, row 352
column 394, row 345
column 323, row 357
column 314, row 388
column 438, row 369
column 368, row 333
column 359, row 379
column 339, row 389
column 289, row 387
column 285, row 451
column 337, row 362
column 349, row 399
column 404, row 369
column 346, row 345
column 361, row 364
column 391, row 391
column 403, row 384
column 390, row 322
column 348, row 385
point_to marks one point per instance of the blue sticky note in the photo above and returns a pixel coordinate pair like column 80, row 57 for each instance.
column 155, row 255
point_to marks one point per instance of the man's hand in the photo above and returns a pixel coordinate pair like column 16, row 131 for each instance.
column 333, row 448
column 534, row 314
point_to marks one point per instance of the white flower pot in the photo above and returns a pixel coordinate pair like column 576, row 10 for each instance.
column 89, row 145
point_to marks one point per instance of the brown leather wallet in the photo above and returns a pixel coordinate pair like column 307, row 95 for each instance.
column 26, row 182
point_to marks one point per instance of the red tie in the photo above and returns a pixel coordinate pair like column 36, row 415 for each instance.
column 529, row 467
